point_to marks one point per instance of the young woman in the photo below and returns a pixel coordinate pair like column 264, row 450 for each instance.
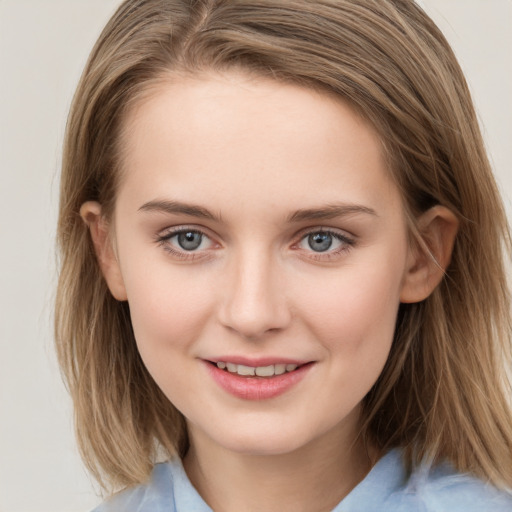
column 282, row 263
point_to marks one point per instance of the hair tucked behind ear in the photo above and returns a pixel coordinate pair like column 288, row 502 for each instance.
column 443, row 392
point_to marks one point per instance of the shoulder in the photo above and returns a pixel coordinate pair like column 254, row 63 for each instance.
column 443, row 489
column 168, row 490
column 438, row 489
column 155, row 495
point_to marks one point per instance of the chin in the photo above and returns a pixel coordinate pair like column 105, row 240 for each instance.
column 257, row 446
column 260, row 439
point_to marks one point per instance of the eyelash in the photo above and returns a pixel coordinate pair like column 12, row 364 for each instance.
column 164, row 240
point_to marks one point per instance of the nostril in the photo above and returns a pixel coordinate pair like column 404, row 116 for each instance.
column 254, row 306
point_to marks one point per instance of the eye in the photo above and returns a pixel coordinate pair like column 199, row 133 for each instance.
column 185, row 243
column 325, row 243
column 189, row 240
column 320, row 242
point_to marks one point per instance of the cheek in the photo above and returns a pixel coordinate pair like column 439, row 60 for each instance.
column 167, row 310
column 167, row 321
column 355, row 310
column 354, row 321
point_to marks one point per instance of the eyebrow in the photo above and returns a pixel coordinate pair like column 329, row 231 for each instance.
column 322, row 213
column 174, row 207
column 330, row 212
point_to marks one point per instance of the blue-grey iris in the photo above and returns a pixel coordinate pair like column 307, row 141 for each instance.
column 189, row 240
column 320, row 242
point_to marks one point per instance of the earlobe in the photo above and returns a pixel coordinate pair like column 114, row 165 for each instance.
column 429, row 259
column 103, row 246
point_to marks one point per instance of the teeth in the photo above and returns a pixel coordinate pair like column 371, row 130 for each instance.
column 246, row 370
column 279, row 369
column 265, row 371
column 260, row 371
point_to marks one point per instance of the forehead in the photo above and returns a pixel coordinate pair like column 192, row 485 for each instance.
column 220, row 135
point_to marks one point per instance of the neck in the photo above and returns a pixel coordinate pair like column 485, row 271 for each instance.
column 315, row 477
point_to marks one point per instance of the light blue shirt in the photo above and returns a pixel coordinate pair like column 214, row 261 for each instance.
column 386, row 488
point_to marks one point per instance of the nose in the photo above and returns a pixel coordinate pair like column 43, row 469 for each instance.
column 255, row 303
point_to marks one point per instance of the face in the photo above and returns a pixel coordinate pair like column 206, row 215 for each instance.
column 263, row 250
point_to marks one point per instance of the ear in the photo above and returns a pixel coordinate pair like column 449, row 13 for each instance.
column 431, row 255
column 103, row 246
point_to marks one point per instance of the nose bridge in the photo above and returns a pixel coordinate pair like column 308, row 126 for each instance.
column 255, row 303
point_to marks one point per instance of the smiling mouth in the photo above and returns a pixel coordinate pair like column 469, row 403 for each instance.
column 263, row 382
column 256, row 371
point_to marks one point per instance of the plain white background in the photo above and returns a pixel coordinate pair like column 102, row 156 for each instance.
column 43, row 47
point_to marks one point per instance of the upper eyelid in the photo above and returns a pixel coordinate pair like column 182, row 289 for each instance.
column 172, row 230
column 343, row 233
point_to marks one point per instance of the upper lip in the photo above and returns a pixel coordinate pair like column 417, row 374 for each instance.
column 258, row 361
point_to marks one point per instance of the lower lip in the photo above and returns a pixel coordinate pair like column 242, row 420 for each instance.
column 257, row 388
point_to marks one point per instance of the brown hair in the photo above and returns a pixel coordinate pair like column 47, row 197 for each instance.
column 442, row 393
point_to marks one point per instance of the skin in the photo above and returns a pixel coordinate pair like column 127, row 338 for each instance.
column 254, row 153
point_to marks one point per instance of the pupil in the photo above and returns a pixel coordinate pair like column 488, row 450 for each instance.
column 320, row 242
column 189, row 240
